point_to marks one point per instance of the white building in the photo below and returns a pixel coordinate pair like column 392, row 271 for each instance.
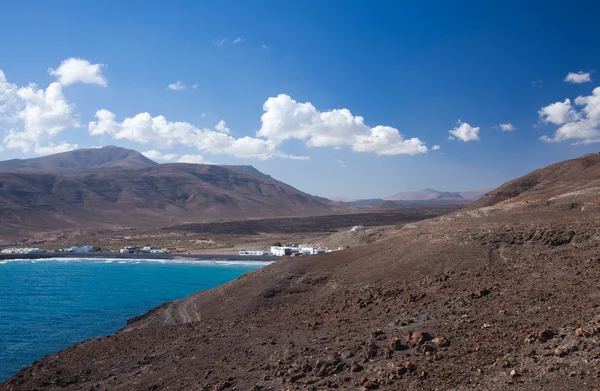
column 357, row 228
column 282, row 251
column 83, row 249
column 126, row 250
column 253, row 252
column 312, row 250
column 157, row 251
column 26, row 250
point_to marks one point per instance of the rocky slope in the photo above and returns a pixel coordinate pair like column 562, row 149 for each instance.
column 113, row 188
column 569, row 185
column 505, row 301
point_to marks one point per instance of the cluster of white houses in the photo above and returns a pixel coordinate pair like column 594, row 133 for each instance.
column 77, row 249
column 145, row 249
column 281, row 251
column 24, row 250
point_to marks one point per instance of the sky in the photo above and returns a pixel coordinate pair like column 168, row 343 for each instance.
column 339, row 99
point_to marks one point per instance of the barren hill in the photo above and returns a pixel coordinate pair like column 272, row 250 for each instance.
column 508, row 301
column 113, row 187
column 81, row 160
column 572, row 184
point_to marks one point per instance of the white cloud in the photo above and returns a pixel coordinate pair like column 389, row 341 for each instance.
column 42, row 114
column 582, row 126
column 264, row 46
column 464, row 132
column 195, row 86
column 219, row 41
column 558, row 113
column 435, row 148
column 507, row 127
column 578, row 77
column 537, row 83
column 238, row 40
column 78, row 70
column 221, row 126
column 284, row 119
column 52, row 148
column 177, row 86
column 144, row 128
column 156, row 155
column 195, row 159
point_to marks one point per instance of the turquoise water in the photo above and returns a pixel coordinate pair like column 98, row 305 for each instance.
column 49, row 305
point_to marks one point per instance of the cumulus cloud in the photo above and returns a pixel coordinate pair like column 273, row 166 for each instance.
column 177, row 86
column 238, row 40
column 195, row 159
column 222, row 127
column 578, row 77
column 284, row 119
column 507, row 127
column 78, row 70
column 435, row 148
column 464, row 132
column 41, row 114
column 144, row 128
column 52, row 148
column 582, row 126
column 558, row 113
column 156, row 155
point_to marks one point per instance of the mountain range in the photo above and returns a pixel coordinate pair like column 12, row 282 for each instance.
column 113, row 187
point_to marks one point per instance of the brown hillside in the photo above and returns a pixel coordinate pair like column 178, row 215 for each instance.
column 115, row 188
column 572, row 184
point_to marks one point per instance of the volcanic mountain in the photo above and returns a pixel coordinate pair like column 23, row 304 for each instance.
column 113, row 187
column 432, row 194
column 464, row 302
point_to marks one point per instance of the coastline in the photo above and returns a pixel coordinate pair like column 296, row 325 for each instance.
column 190, row 257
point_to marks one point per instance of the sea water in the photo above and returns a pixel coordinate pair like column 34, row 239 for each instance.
column 49, row 305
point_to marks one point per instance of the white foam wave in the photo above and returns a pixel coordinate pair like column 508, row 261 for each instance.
column 197, row 262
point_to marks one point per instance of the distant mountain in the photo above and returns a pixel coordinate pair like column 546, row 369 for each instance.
column 432, row 194
column 81, row 160
column 114, row 187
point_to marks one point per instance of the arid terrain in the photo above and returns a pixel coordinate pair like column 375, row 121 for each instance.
column 229, row 237
column 500, row 295
column 116, row 188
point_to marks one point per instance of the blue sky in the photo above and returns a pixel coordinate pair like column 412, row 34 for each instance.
column 410, row 70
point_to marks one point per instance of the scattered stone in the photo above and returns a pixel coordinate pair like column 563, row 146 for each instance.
column 346, row 354
column 355, row 367
column 441, row 342
column 514, row 373
column 396, row 344
column 419, row 337
column 480, row 293
column 410, row 366
column 545, row 335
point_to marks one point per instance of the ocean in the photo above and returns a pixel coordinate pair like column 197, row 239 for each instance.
column 48, row 305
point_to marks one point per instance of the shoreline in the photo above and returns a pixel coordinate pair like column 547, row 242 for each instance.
column 191, row 257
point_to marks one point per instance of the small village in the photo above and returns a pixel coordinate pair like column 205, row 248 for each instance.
column 276, row 249
column 85, row 249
